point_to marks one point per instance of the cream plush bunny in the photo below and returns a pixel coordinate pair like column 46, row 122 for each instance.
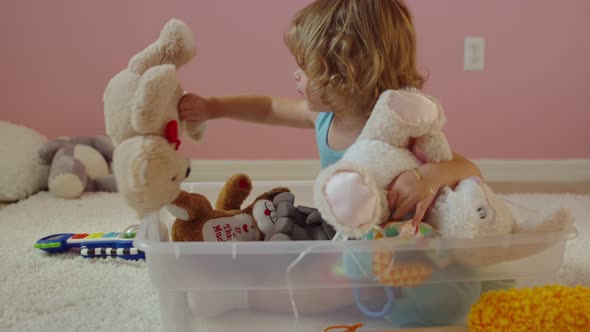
column 351, row 194
column 140, row 105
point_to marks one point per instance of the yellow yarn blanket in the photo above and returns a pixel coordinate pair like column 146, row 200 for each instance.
column 547, row 309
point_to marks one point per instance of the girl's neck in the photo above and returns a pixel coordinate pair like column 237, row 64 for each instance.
column 349, row 120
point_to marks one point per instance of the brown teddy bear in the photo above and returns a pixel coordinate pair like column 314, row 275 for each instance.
column 197, row 220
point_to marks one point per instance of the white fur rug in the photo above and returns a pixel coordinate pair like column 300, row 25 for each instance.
column 69, row 293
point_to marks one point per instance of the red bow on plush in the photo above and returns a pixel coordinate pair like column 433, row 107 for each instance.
column 172, row 133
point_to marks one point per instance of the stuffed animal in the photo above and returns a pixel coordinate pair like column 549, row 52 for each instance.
column 22, row 172
column 79, row 164
column 143, row 98
column 197, row 220
column 293, row 223
column 473, row 210
column 140, row 105
column 547, row 308
column 350, row 194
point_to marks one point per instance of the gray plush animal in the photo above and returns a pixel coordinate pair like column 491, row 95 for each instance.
column 299, row 223
column 79, row 164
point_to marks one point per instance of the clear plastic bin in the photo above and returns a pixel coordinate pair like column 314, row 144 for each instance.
column 302, row 286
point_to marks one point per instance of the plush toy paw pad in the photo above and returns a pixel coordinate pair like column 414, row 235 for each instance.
column 351, row 201
column 66, row 185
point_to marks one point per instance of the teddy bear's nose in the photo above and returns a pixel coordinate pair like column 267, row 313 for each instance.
column 188, row 172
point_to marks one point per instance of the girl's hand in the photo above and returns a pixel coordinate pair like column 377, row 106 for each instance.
column 410, row 191
column 418, row 190
column 192, row 107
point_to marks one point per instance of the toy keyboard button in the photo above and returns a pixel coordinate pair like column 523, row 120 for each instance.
column 79, row 236
column 95, row 236
column 111, row 235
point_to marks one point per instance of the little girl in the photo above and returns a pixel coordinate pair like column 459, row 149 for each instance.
column 349, row 52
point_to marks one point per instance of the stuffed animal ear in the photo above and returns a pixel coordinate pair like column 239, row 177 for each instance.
column 48, row 151
column 157, row 91
column 175, row 46
column 412, row 107
column 399, row 115
column 105, row 146
column 284, row 197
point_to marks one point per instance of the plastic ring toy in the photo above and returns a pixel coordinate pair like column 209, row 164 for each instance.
column 375, row 314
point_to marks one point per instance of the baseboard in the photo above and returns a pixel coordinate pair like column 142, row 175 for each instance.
column 493, row 170
column 570, row 170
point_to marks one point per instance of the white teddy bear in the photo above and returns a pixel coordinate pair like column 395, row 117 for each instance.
column 140, row 105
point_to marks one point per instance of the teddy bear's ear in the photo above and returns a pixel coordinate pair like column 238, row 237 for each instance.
column 156, row 97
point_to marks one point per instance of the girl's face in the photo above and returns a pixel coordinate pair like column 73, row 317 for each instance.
column 312, row 96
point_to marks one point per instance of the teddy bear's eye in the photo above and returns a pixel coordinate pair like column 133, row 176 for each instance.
column 174, row 179
column 482, row 212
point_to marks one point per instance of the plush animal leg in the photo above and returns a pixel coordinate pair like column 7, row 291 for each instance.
column 533, row 221
column 234, row 193
column 350, row 194
column 157, row 89
column 435, row 147
column 175, row 46
column 185, row 208
column 67, row 177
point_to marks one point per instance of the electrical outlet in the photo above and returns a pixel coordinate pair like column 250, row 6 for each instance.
column 474, row 59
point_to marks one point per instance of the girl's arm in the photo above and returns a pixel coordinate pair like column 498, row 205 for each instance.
column 248, row 108
column 407, row 191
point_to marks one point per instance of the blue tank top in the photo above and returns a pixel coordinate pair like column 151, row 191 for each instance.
column 322, row 126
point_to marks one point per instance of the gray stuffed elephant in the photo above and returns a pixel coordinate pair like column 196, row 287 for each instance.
column 78, row 165
column 298, row 223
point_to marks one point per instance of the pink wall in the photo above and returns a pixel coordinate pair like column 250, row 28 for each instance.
column 531, row 102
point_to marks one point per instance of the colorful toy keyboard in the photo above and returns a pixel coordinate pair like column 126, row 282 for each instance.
column 94, row 245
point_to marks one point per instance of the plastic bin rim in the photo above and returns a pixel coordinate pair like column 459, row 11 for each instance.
column 295, row 247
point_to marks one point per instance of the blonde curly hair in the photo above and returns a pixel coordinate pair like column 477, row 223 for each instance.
column 353, row 50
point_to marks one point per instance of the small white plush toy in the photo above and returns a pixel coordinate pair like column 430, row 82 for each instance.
column 350, row 194
column 473, row 210
column 140, row 105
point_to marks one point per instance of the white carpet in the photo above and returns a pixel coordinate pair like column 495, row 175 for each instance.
column 68, row 293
